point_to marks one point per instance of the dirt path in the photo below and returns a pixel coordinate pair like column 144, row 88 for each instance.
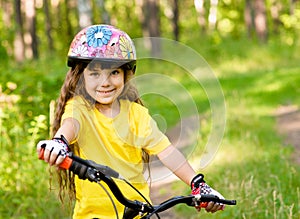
column 288, row 125
column 158, row 197
column 181, row 136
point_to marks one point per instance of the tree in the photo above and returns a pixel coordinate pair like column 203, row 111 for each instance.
column 19, row 44
column 48, row 25
column 23, row 19
column 175, row 18
column 151, row 24
column 66, row 12
column 199, row 6
column 249, row 18
column 85, row 13
column 256, row 19
column 100, row 6
column 212, row 17
column 31, row 47
column 260, row 20
column 275, row 10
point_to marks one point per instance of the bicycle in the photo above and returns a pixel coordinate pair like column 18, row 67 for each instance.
column 88, row 169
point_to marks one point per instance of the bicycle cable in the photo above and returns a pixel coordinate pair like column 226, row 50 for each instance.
column 111, row 199
column 146, row 200
column 152, row 213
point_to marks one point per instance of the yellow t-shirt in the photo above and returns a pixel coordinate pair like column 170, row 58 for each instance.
column 117, row 143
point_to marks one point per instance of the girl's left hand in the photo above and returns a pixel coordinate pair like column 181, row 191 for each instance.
column 199, row 186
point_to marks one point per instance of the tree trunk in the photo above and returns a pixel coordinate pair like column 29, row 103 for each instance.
column 85, row 13
column 152, row 24
column 260, row 20
column 199, row 5
column 7, row 10
column 143, row 17
column 48, row 26
column 103, row 12
column 8, row 18
column 212, row 17
column 175, row 19
column 249, row 18
column 19, row 44
column 67, row 21
column 275, row 10
column 31, row 49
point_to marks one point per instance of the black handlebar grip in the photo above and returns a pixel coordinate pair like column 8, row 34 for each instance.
column 79, row 169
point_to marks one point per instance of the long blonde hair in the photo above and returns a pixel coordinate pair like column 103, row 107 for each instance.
column 73, row 86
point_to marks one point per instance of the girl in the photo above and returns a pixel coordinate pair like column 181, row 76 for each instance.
column 100, row 117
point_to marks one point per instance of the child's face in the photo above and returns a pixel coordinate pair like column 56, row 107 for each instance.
column 104, row 85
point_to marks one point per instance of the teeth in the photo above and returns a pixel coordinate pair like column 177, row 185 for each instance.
column 105, row 92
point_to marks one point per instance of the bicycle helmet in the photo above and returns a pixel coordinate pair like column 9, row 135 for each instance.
column 102, row 43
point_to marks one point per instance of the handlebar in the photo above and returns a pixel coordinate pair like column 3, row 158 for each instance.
column 87, row 169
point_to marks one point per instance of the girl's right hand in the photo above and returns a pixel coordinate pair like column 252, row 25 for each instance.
column 53, row 151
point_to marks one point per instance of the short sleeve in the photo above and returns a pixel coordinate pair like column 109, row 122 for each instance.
column 156, row 141
column 73, row 110
column 151, row 139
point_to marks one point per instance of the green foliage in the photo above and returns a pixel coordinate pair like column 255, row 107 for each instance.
column 23, row 121
column 251, row 165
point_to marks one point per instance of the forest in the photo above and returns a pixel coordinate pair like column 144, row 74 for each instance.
column 33, row 26
column 251, row 51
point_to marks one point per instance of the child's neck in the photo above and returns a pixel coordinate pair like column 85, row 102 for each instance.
column 109, row 110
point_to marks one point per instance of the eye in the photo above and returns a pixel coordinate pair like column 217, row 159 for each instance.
column 115, row 72
column 94, row 74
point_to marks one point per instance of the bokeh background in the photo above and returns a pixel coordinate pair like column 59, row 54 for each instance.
column 252, row 46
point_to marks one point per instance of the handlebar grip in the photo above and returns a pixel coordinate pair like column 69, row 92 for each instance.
column 203, row 204
column 66, row 164
column 207, row 198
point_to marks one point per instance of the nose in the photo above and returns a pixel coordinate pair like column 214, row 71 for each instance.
column 104, row 80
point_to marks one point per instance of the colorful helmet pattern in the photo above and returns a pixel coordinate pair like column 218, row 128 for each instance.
column 101, row 42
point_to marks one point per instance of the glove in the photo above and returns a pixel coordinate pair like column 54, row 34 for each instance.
column 199, row 187
column 57, row 146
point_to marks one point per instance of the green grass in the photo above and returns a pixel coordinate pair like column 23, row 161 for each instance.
column 252, row 165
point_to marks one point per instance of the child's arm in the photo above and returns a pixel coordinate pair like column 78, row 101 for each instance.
column 69, row 129
column 174, row 160
column 54, row 148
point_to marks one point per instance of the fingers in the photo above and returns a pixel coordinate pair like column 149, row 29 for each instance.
column 59, row 160
column 198, row 208
column 213, row 207
column 40, row 145
column 49, row 154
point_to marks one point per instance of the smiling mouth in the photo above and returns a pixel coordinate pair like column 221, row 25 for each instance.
column 105, row 92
